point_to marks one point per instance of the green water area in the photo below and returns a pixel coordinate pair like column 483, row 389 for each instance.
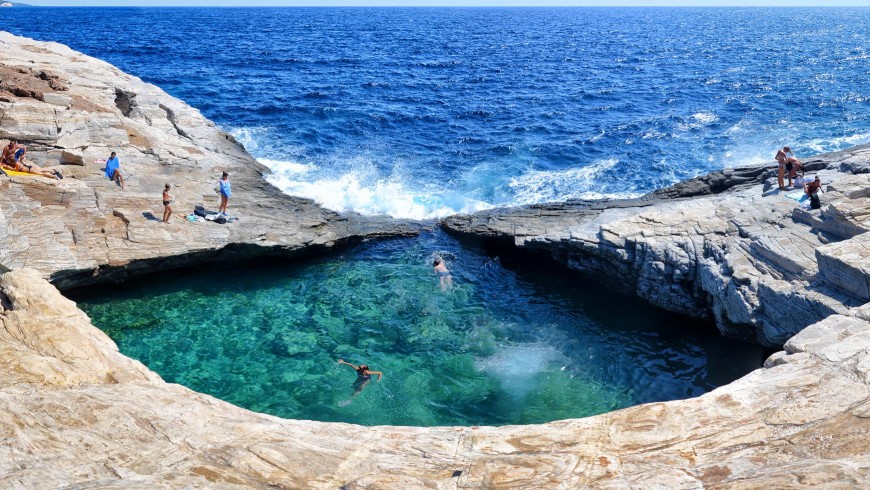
column 511, row 342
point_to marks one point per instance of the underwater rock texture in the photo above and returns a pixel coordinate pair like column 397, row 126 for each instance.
column 742, row 253
column 71, row 111
column 76, row 413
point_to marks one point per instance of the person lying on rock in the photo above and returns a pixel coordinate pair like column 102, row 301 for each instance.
column 13, row 158
column 113, row 170
column 363, row 376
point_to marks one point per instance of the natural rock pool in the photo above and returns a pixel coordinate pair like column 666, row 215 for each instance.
column 511, row 342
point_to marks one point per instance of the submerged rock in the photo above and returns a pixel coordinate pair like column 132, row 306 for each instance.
column 753, row 260
column 77, row 413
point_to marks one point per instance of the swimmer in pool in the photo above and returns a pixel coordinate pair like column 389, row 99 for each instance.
column 363, row 376
column 444, row 277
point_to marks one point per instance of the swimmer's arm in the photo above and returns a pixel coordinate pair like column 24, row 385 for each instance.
column 380, row 374
column 342, row 361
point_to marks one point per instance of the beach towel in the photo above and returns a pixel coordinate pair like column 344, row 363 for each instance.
column 112, row 164
column 226, row 188
column 15, row 173
column 798, row 196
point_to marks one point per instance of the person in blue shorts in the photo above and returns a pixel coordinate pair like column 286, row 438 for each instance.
column 226, row 190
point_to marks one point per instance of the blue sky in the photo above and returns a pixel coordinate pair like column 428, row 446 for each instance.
column 462, row 3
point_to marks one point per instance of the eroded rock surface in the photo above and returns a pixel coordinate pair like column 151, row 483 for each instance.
column 75, row 412
column 739, row 251
column 71, row 111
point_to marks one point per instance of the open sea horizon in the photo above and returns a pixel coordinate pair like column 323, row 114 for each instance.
column 427, row 112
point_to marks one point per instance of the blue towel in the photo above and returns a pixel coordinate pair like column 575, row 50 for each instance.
column 226, row 188
column 112, row 164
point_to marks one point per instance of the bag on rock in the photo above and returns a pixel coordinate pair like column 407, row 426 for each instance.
column 815, row 202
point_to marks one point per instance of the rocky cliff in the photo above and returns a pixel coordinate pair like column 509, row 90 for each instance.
column 75, row 413
column 727, row 246
column 71, row 111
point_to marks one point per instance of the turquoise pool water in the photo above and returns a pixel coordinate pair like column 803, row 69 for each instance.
column 509, row 343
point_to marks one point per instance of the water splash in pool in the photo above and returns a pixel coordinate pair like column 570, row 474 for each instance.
column 510, row 343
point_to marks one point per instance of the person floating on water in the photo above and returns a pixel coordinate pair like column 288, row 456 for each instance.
column 444, row 277
column 363, row 376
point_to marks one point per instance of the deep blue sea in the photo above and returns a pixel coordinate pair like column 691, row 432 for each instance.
column 420, row 112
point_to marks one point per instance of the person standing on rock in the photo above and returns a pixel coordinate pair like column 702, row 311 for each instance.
column 782, row 159
column 226, row 190
column 113, row 170
column 167, row 201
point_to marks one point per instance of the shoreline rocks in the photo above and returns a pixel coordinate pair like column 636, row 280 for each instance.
column 72, row 111
column 76, row 412
column 724, row 247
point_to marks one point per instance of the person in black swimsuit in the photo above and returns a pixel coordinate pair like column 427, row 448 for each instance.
column 167, row 200
column 363, row 376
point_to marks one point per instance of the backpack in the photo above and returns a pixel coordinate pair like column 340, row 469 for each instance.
column 815, row 203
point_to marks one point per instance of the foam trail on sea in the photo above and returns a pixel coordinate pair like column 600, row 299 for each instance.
column 539, row 186
column 363, row 190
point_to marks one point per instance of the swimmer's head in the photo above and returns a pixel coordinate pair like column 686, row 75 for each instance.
column 363, row 366
column 786, row 149
column 437, row 261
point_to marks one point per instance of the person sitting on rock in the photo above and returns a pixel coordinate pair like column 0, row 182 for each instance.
column 13, row 158
column 812, row 189
column 113, row 170
column 8, row 157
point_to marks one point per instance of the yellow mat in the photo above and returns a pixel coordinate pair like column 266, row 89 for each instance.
column 15, row 173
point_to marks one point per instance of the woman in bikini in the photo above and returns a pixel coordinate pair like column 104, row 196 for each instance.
column 13, row 159
column 167, row 200
column 782, row 159
column 363, row 376
column 444, row 277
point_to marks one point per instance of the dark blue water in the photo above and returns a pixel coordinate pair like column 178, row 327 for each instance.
column 425, row 112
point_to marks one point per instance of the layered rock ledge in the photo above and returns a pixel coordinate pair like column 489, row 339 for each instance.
column 78, row 414
column 727, row 246
column 71, row 111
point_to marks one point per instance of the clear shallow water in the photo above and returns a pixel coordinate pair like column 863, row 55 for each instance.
column 511, row 343
column 426, row 112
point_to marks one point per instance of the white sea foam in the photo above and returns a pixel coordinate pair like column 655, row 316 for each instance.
column 363, row 190
column 517, row 367
column 834, row 144
column 539, row 186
